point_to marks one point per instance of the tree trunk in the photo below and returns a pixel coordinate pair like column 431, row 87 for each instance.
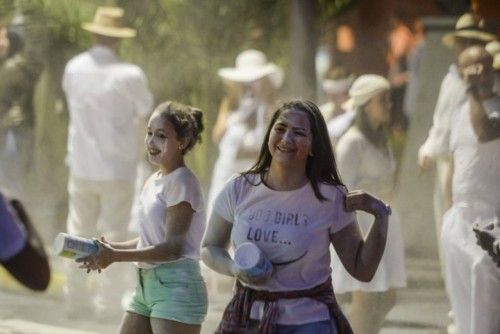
column 303, row 39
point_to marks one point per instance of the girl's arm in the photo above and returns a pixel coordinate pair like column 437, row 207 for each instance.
column 177, row 225
column 361, row 256
column 129, row 244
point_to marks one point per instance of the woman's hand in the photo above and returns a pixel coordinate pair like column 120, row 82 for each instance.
column 100, row 260
column 363, row 201
column 253, row 280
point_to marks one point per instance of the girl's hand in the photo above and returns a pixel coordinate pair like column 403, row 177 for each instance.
column 363, row 201
column 101, row 260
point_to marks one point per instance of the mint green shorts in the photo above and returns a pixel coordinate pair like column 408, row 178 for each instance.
column 173, row 291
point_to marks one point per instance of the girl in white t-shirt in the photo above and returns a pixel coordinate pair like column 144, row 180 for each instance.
column 292, row 205
column 170, row 295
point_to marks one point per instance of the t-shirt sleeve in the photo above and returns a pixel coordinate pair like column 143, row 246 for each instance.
column 341, row 217
column 225, row 202
column 12, row 234
column 183, row 188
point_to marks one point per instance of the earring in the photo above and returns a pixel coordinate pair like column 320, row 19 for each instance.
column 311, row 154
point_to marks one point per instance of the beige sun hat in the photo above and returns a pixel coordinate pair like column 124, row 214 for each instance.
column 252, row 65
column 468, row 26
column 493, row 49
column 364, row 88
column 108, row 22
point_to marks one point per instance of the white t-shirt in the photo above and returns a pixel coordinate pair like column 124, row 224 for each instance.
column 293, row 230
column 159, row 193
column 105, row 98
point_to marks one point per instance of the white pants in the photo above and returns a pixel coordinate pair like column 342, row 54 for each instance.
column 472, row 278
column 98, row 208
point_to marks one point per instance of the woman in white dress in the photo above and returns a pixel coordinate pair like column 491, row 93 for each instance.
column 366, row 162
column 241, row 122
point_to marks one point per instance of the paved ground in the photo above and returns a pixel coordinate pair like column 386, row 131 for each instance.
column 421, row 308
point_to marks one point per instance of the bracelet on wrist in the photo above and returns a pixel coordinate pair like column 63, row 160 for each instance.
column 383, row 209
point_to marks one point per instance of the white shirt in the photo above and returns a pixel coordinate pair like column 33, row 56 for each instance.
column 339, row 124
column 105, row 96
column 476, row 165
column 159, row 193
column 452, row 97
column 292, row 228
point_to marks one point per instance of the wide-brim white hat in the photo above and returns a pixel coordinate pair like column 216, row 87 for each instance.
column 364, row 88
column 468, row 26
column 252, row 65
column 108, row 22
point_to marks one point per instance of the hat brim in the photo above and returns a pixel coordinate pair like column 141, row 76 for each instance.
column 108, row 31
column 246, row 75
column 496, row 62
column 449, row 38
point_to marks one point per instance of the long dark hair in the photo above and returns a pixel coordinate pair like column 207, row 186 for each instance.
column 321, row 166
column 377, row 136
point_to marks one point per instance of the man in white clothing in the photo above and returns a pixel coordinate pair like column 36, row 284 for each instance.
column 106, row 99
column 452, row 96
column 472, row 278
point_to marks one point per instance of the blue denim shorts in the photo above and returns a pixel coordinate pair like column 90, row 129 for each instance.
column 318, row 327
column 173, row 291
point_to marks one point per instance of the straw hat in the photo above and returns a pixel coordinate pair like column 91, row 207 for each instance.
column 108, row 22
column 252, row 65
column 365, row 88
column 468, row 26
column 493, row 49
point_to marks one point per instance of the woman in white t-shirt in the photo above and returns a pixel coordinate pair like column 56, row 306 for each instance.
column 170, row 295
column 292, row 205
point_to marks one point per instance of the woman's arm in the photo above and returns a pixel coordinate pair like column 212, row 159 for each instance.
column 215, row 245
column 177, row 225
column 220, row 124
column 361, row 256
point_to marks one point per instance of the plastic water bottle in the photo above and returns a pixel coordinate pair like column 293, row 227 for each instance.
column 74, row 247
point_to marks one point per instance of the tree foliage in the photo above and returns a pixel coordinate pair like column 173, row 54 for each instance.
column 180, row 44
column 333, row 8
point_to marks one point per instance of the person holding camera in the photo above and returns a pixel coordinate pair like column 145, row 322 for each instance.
column 473, row 279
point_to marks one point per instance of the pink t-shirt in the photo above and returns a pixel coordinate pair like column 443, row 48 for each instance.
column 293, row 230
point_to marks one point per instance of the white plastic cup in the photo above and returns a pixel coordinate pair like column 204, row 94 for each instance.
column 74, row 247
column 251, row 260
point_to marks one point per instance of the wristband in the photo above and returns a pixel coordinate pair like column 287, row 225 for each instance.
column 383, row 209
